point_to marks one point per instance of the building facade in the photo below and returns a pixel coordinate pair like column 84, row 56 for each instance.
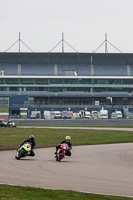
column 67, row 79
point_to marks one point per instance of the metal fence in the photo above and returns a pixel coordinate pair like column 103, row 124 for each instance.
column 76, row 122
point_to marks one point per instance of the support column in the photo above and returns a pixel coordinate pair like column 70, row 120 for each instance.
column 92, row 70
column 128, row 70
column 55, row 69
column 19, row 69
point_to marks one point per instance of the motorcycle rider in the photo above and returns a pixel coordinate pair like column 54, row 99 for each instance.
column 9, row 122
column 31, row 140
column 66, row 141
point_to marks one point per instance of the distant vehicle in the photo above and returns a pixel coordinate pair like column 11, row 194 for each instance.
column 129, row 115
column 57, row 115
column 85, row 114
column 116, row 115
column 46, row 114
column 69, row 114
column 3, row 124
column 95, row 114
column 64, row 114
column 113, row 115
column 11, row 124
column 7, row 124
column 103, row 114
column 119, row 114
column 35, row 115
column 52, row 114
column 76, row 115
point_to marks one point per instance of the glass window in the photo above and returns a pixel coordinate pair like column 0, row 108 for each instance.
column 127, row 81
column 100, row 89
column 13, row 89
column 114, row 81
column 78, row 81
column 114, row 89
column 72, row 101
column 40, row 81
column 84, row 81
column 1, row 81
column 36, row 89
column 11, row 81
column 83, row 89
column 128, row 89
column 32, row 89
column 56, row 81
column 100, row 81
column 26, row 81
column 118, row 81
column 1, row 88
column 55, row 89
column 70, row 81
column 117, row 89
column 111, row 81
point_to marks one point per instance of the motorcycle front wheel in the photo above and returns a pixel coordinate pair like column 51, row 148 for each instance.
column 20, row 154
column 61, row 155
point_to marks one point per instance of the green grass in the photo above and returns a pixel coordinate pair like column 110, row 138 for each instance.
column 30, row 193
column 53, row 136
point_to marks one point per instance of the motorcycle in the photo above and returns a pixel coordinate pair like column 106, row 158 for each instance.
column 11, row 124
column 61, row 152
column 23, row 150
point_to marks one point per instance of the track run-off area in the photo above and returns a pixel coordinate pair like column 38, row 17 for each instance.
column 103, row 169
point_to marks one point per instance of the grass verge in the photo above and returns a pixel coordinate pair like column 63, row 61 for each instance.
column 30, row 193
column 10, row 138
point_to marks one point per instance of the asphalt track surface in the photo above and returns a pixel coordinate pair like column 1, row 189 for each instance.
column 104, row 169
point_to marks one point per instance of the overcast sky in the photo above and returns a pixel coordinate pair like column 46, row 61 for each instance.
column 83, row 22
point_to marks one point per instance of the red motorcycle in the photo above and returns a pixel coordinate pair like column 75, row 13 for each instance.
column 62, row 152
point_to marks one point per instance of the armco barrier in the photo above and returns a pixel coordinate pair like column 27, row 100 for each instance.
column 76, row 122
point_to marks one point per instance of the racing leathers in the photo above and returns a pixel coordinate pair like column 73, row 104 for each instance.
column 33, row 143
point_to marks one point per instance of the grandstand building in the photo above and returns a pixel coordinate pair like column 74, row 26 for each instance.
column 67, row 79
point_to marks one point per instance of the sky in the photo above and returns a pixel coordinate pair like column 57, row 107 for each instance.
column 83, row 23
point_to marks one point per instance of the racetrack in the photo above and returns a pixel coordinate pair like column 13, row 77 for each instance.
column 105, row 169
